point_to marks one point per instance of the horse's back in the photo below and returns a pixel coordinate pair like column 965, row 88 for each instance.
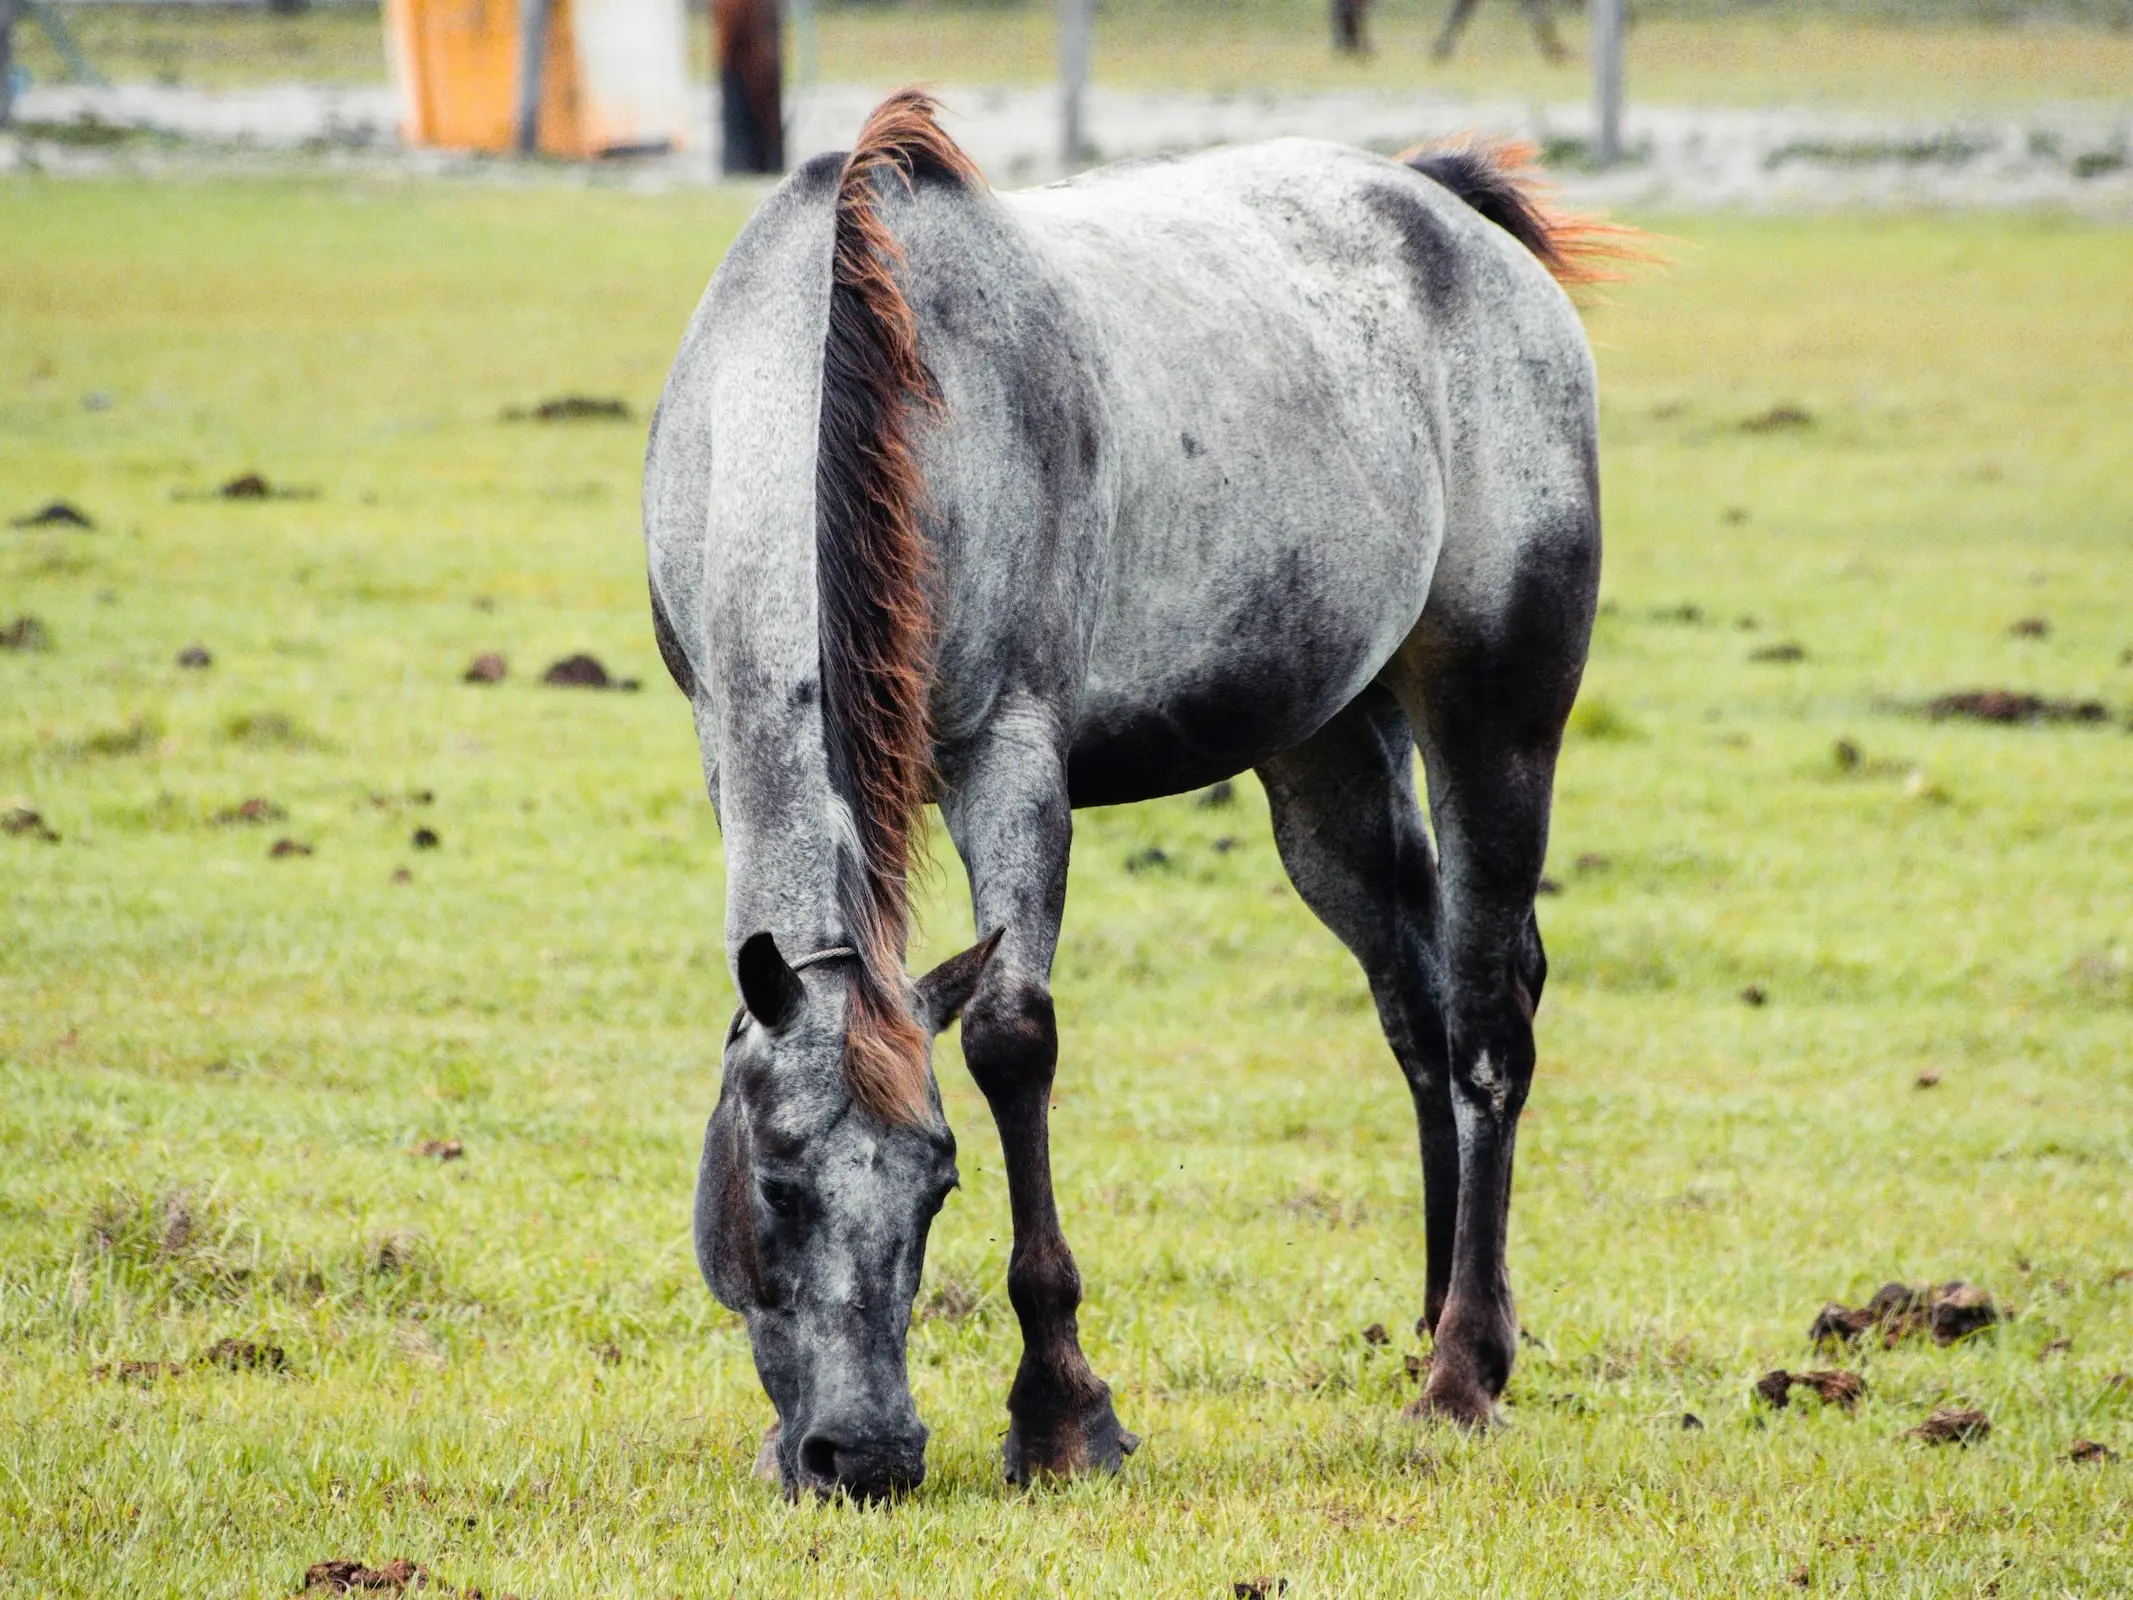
column 1290, row 350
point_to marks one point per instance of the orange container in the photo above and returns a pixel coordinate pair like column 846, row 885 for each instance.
column 614, row 76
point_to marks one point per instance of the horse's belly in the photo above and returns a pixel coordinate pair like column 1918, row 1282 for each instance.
column 1216, row 670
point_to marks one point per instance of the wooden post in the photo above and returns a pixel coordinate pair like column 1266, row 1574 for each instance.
column 532, row 71
column 1608, row 17
column 7, row 61
column 1076, row 21
column 751, row 98
column 1351, row 36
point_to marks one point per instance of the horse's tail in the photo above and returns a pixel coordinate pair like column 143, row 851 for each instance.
column 1496, row 178
column 877, row 629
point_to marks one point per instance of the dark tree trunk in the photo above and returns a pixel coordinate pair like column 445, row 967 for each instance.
column 751, row 106
column 1349, row 35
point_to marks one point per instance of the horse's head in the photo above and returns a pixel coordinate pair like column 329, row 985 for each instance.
column 812, row 1215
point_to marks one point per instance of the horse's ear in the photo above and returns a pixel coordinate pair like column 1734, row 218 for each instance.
column 769, row 988
column 943, row 992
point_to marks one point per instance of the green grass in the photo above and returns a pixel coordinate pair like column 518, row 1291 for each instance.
column 215, row 1066
column 1948, row 61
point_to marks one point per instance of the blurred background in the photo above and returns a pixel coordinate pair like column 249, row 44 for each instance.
column 1723, row 101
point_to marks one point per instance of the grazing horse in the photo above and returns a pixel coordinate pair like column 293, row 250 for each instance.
column 1280, row 457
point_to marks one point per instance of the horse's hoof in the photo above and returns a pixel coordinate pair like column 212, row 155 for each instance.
column 1088, row 1441
column 1463, row 1405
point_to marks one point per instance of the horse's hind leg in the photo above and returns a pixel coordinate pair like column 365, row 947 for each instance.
column 1005, row 802
column 1454, row 25
column 1487, row 681
column 1351, row 835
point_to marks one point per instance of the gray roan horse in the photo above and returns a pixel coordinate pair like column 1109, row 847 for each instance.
column 1279, row 457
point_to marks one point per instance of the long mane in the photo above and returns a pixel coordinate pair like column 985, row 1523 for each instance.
column 871, row 560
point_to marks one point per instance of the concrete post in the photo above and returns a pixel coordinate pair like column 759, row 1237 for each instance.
column 532, row 71
column 7, row 62
column 1608, row 19
column 1076, row 22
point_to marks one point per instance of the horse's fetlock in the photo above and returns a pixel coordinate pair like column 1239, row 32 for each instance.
column 1494, row 1079
column 1044, row 1286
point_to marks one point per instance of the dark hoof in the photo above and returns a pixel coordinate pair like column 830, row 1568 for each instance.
column 1088, row 1441
column 1464, row 1405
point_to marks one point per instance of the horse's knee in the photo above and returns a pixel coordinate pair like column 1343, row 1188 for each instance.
column 1011, row 1038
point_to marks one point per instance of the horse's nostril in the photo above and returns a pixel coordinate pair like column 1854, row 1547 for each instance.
column 818, row 1459
column 870, row 1471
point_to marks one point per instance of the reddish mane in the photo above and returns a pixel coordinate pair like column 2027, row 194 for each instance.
column 877, row 628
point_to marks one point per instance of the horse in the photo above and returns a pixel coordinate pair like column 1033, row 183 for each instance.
column 1277, row 458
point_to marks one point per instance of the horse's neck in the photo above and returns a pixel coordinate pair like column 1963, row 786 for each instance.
column 785, row 828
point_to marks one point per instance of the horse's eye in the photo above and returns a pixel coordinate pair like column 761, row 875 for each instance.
column 783, row 1198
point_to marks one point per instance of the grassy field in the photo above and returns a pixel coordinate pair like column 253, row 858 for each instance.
column 1955, row 65
column 217, row 1065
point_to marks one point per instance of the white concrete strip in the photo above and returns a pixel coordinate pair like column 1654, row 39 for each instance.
column 2080, row 157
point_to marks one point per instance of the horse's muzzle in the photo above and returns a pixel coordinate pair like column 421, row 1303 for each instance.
column 833, row 1461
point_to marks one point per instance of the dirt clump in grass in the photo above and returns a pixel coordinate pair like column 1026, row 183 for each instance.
column 2091, row 1452
column 441, row 1149
column 26, row 634
column 571, row 408
column 1929, row 1079
column 281, row 849
column 142, row 1373
column 243, row 1355
column 55, row 514
column 396, row 1253
column 584, row 672
column 1951, row 1425
column 401, row 1576
column 953, row 1300
column 247, row 812
column 195, row 658
column 145, row 1229
column 2030, row 627
column 1839, row 1389
column 1788, row 650
column 488, row 667
column 1754, row 996
column 1785, row 417
column 2010, row 706
column 271, row 730
column 1948, row 1311
column 26, row 822
column 425, row 839
column 1259, row 1588
column 1375, row 1334
column 137, row 737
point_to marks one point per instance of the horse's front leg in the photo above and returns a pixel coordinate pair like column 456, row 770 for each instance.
column 1006, row 806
